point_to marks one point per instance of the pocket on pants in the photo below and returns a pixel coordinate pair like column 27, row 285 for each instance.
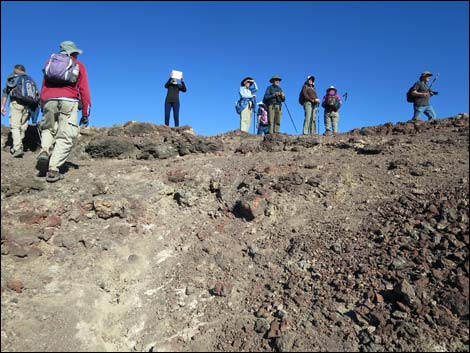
column 71, row 130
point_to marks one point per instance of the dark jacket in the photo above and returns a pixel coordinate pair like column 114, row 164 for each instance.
column 270, row 99
column 309, row 94
column 172, row 95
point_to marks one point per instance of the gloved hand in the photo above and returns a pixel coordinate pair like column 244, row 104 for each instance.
column 84, row 121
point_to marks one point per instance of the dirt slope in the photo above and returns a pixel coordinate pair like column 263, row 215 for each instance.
column 161, row 240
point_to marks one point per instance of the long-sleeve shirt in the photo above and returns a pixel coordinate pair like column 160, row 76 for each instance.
column 270, row 98
column 79, row 90
column 247, row 93
column 309, row 93
column 172, row 95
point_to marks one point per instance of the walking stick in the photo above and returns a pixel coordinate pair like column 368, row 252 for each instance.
column 291, row 117
column 317, row 110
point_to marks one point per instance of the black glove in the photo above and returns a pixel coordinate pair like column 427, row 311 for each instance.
column 84, row 121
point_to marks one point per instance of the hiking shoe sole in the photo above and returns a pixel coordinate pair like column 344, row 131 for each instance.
column 18, row 154
column 42, row 164
column 55, row 178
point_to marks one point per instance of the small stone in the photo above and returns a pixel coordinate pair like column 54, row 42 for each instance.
column 222, row 289
column 190, row 290
column 261, row 326
column 15, row 285
column 133, row 258
column 54, row 221
column 46, row 234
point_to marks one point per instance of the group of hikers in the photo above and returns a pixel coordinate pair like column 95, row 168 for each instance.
column 269, row 114
column 65, row 91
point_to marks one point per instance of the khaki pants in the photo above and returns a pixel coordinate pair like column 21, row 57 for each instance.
column 331, row 118
column 245, row 118
column 19, row 115
column 274, row 117
column 59, row 125
column 310, row 126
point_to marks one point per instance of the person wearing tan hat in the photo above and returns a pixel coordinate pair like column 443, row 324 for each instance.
column 331, row 103
column 273, row 98
column 60, row 102
column 422, row 93
column 246, row 104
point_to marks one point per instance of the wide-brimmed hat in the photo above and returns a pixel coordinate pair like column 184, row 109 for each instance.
column 311, row 77
column 261, row 103
column 426, row 73
column 69, row 47
column 332, row 87
column 275, row 77
column 246, row 79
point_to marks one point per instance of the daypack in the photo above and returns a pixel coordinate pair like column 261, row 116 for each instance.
column 264, row 116
column 331, row 101
column 409, row 97
column 24, row 90
column 301, row 97
column 61, row 69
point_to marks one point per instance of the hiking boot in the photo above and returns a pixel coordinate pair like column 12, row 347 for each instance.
column 18, row 153
column 42, row 162
column 53, row 176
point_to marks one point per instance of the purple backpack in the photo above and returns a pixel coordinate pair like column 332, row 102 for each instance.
column 62, row 69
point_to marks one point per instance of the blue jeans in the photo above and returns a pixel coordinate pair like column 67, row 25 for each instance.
column 426, row 109
column 263, row 129
column 176, row 113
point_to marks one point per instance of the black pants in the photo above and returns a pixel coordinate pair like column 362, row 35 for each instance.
column 176, row 113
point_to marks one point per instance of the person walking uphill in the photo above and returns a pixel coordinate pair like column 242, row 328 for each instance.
column 246, row 103
column 422, row 93
column 331, row 103
column 64, row 88
column 172, row 100
column 24, row 99
column 309, row 99
column 273, row 98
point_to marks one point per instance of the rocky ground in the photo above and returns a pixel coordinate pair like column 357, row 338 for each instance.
column 161, row 240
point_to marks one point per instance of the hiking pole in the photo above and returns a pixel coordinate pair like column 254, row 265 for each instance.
column 291, row 117
column 317, row 110
column 345, row 96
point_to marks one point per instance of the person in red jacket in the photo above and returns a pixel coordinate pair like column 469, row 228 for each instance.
column 60, row 103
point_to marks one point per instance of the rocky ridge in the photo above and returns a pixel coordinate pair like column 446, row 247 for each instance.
column 159, row 239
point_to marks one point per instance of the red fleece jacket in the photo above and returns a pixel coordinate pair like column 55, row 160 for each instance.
column 79, row 90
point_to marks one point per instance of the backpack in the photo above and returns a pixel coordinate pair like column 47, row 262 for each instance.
column 301, row 97
column 62, row 69
column 24, row 90
column 331, row 101
column 409, row 97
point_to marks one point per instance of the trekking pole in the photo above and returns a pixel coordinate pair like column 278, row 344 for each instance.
column 317, row 111
column 291, row 117
column 39, row 134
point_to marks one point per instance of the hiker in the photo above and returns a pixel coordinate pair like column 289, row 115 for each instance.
column 273, row 98
column 331, row 103
column 263, row 122
column 172, row 100
column 246, row 103
column 309, row 99
column 24, row 99
column 64, row 91
column 422, row 93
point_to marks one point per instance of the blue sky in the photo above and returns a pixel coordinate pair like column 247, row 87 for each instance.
column 372, row 50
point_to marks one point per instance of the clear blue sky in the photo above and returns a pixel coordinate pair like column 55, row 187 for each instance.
column 372, row 50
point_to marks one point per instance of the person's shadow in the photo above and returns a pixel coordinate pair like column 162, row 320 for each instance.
column 31, row 141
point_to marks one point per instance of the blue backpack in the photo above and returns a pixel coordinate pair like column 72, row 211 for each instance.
column 24, row 89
